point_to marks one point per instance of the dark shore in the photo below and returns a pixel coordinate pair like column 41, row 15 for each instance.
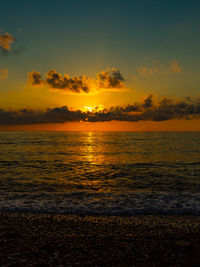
column 70, row 240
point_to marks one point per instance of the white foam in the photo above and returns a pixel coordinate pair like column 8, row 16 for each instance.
column 130, row 204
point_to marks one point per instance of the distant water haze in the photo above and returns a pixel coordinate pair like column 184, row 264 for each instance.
column 110, row 173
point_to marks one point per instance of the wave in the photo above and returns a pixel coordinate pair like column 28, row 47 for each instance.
column 104, row 204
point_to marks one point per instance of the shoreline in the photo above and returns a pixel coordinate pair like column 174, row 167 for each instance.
column 31, row 239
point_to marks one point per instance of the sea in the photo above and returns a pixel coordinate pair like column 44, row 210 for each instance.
column 100, row 173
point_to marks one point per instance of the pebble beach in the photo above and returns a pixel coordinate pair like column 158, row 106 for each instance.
column 30, row 239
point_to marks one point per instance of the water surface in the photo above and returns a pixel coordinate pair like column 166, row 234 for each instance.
column 100, row 172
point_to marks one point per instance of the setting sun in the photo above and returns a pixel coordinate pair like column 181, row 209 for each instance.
column 90, row 109
column 87, row 109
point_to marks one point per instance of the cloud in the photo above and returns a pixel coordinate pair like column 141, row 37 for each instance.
column 3, row 74
column 35, row 78
column 6, row 40
column 175, row 66
column 144, row 71
column 76, row 84
column 111, row 79
column 157, row 68
column 26, row 116
column 148, row 102
column 151, row 109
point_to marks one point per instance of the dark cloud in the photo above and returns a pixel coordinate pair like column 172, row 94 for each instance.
column 35, row 78
column 6, row 40
column 148, row 102
column 26, row 116
column 110, row 79
column 150, row 109
column 54, row 80
column 76, row 84
column 105, row 80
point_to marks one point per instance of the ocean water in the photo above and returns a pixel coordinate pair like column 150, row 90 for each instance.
column 107, row 173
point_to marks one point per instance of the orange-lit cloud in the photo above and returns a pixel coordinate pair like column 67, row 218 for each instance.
column 6, row 40
column 35, row 78
column 157, row 68
column 174, row 67
column 142, row 70
column 111, row 79
column 3, row 74
column 151, row 109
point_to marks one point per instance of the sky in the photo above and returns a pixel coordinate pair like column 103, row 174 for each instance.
column 100, row 65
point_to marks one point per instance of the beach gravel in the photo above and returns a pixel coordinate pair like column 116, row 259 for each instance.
column 29, row 239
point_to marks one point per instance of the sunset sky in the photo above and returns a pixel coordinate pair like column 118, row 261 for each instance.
column 100, row 65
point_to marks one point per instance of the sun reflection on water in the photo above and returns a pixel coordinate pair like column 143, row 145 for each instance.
column 90, row 148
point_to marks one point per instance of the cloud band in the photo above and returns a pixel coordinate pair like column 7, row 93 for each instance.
column 149, row 109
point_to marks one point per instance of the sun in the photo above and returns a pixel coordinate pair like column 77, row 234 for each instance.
column 90, row 109
column 87, row 109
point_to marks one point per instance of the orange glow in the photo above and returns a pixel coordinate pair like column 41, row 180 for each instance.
column 148, row 126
